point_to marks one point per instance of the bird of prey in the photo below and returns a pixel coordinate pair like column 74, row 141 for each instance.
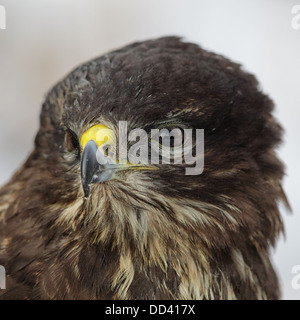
column 73, row 227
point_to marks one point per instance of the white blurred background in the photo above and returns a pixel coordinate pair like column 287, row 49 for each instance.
column 45, row 39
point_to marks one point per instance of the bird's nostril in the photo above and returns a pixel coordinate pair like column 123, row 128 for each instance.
column 106, row 149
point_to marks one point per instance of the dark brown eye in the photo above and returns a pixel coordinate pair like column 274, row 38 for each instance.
column 169, row 137
column 71, row 141
column 172, row 138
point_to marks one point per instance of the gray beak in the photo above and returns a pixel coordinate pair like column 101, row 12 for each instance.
column 95, row 167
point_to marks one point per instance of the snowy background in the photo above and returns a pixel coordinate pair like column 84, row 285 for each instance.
column 45, row 39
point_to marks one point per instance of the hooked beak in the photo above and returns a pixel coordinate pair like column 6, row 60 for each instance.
column 95, row 167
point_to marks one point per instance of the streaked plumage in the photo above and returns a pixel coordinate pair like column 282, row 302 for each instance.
column 155, row 234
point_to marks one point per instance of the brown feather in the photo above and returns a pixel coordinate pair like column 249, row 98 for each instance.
column 149, row 234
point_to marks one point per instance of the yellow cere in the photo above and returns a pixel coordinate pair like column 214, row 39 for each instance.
column 100, row 134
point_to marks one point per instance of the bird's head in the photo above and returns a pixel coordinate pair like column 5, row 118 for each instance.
column 161, row 84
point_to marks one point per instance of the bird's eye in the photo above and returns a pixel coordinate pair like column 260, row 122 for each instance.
column 171, row 137
column 71, row 142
